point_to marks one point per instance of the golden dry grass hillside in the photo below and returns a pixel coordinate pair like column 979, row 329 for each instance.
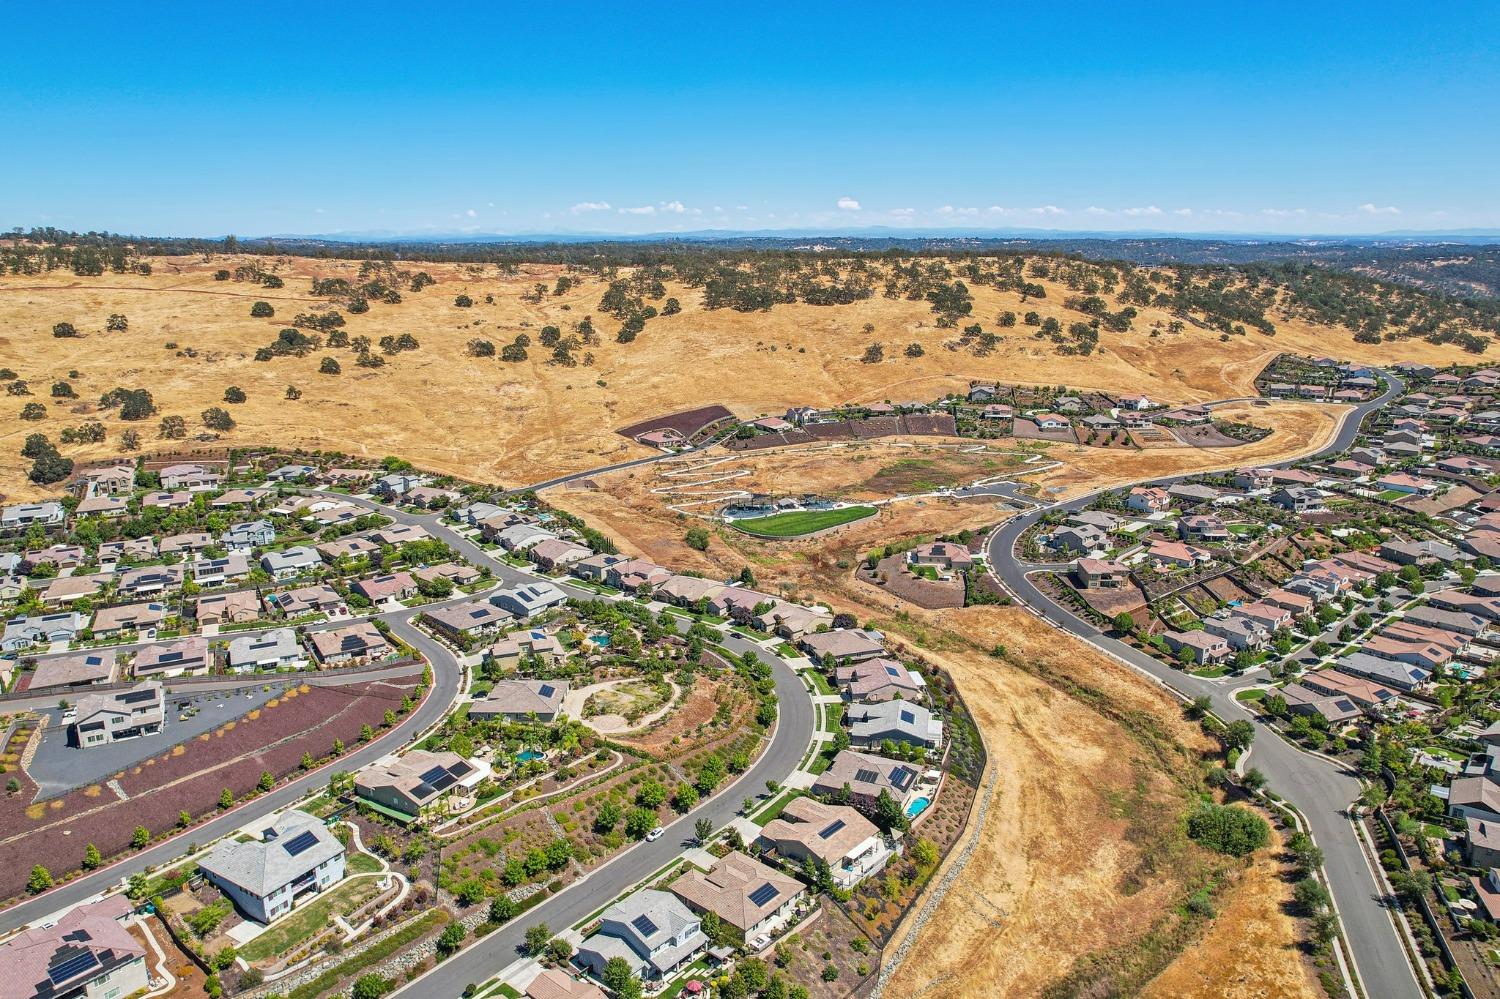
column 190, row 337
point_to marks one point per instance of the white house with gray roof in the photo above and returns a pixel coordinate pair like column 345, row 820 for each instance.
column 294, row 856
column 529, row 600
column 290, row 563
column 899, row 721
column 275, row 649
column 653, row 931
column 518, row 700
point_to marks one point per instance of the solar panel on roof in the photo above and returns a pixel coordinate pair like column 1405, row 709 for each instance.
column 301, row 843
column 460, row 769
column 831, row 828
column 644, row 924
column 908, row 718
column 423, row 791
column 444, row 782
column 433, row 774
column 866, row 776
column 546, row 690
column 892, row 671
column 71, row 967
column 763, row 894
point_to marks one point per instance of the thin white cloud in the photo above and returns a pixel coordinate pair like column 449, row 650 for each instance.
column 903, row 213
column 1148, row 210
column 1282, row 213
column 1372, row 209
column 997, row 209
column 1182, row 211
column 847, row 204
column 589, row 206
column 472, row 214
column 642, row 210
column 1048, row 210
column 1096, row 210
column 946, row 210
column 675, row 207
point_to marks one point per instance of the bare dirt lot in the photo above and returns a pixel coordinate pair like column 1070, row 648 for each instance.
column 523, row 422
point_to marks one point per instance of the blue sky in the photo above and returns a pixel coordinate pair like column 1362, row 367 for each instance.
column 208, row 119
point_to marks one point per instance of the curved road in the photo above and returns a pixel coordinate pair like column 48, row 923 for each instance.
column 789, row 743
column 1319, row 789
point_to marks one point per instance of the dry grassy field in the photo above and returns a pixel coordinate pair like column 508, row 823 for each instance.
column 524, row 422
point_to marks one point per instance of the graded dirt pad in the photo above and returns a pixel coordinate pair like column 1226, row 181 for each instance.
column 524, row 422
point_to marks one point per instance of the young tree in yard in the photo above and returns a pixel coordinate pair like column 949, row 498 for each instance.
column 1123, row 622
column 452, row 939
column 266, row 782
column 184, row 819
column 502, row 909
column 844, row 620
column 702, row 829
column 559, row 950
column 140, row 837
column 607, row 818
column 369, row 986
column 697, row 537
column 537, row 938
column 91, row 858
column 888, row 814
column 616, row 974
column 226, row 798
column 39, row 881
column 640, row 822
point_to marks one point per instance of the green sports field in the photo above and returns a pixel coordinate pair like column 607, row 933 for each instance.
column 799, row 522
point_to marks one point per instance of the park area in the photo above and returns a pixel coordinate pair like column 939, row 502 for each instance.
column 798, row 523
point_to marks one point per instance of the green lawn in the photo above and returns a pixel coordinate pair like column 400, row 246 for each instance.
column 1391, row 495
column 1258, row 694
column 1212, row 672
column 776, row 807
column 798, row 522
column 819, row 681
column 362, row 863
column 294, row 930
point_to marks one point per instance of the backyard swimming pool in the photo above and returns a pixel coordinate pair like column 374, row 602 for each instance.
column 917, row 806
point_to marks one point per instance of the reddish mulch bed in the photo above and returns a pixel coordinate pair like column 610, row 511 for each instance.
column 686, row 423
column 234, row 756
column 931, row 424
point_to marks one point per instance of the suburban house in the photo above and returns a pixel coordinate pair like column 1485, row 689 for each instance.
column 1201, row 527
column 651, row 930
column 361, row 640
column 596, row 567
column 454, row 572
column 1389, row 672
column 1482, row 842
column 742, row 892
column 738, row 602
column 520, row 537
column 876, row 680
column 274, row 649
column 1203, row 648
column 551, row 983
column 837, row 835
column 1298, row 499
column 320, row 598
column 218, row 571
column 184, row 655
column 1336, row 709
column 108, row 507
column 236, row 607
column 1080, row 538
column 634, row 574
column 554, row 553
column 167, row 500
column 109, row 621
column 898, row 721
column 396, row 484
column 1050, row 421
column 1403, row 483
column 290, row 473
column 101, row 719
column 529, row 600
column 1241, row 633
column 21, row 631
column 23, row 515
column 294, row 855
column 1100, row 574
column 415, row 784
column 397, row 535
column 864, row 776
column 467, row 620
column 1148, row 499
column 127, row 548
column 87, row 953
column 1176, row 554
column 252, row 534
column 194, row 478
column 189, row 541
column 519, row 700
column 943, row 554
column 81, row 669
column 352, row 548
column 390, row 586
column 290, row 563
column 792, row 621
column 510, row 650
column 843, row 646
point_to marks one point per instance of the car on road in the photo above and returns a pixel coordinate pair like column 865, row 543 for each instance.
column 655, row 834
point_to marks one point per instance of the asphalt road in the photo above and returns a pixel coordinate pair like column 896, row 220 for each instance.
column 1318, row 788
column 437, row 703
